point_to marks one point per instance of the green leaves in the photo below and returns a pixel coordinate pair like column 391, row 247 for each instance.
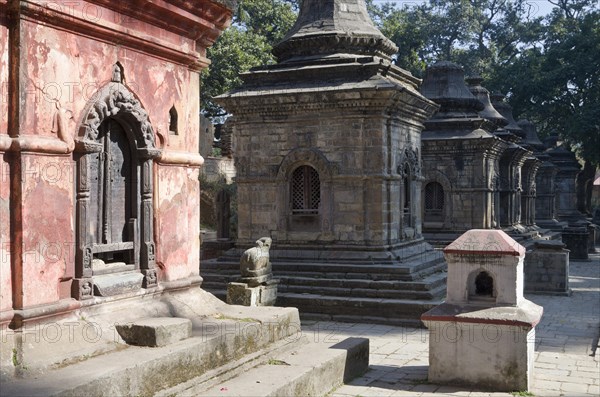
column 257, row 26
column 236, row 51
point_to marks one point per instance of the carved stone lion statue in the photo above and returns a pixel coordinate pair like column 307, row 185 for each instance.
column 254, row 263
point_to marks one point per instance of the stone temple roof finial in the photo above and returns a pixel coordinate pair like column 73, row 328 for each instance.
column 444, row 83
column 326, row 27
column 506, row 110
column 531, row 140
column 488, row 112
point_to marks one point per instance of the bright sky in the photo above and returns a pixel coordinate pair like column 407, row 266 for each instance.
column 538, row 7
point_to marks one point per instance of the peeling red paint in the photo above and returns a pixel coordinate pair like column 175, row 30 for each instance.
column 5, row 239
column 48, row 237
column 60, row 60
column 177, row 223
column 4, row 67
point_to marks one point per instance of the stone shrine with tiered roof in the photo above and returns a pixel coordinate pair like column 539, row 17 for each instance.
column 328, row 152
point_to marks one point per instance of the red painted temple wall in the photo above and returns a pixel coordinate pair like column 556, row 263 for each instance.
column 5, row 240
column 60, row 71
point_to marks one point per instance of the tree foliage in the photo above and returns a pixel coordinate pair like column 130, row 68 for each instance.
column 547, row 66
column 256, row 27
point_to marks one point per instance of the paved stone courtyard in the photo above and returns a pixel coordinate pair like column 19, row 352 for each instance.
column 566, row 361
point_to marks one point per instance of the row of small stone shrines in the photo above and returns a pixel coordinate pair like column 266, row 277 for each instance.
column 482, row 169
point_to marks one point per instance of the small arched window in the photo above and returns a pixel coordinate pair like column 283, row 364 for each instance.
column 434, row 201
column 173, row 121
column 484, row 285
column 481, row 287
column 305, row 190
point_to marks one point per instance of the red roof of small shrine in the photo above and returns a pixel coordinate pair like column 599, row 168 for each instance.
column 485, row 242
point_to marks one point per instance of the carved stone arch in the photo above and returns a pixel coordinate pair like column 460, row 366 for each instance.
column 409, row 158
column 114, row 153
column 441, row 178
column 290, row 222
column 116, row 100
column 311, row 157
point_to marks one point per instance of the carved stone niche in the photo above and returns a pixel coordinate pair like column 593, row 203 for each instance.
column 114, row 152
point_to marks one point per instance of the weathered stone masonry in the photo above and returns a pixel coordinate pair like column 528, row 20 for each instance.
column 327, row 147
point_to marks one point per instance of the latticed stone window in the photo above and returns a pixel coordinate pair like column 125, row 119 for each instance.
column 305, row 190
column 434, row 201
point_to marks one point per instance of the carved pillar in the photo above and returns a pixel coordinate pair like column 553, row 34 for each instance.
column 83, row 285
column 148, row 261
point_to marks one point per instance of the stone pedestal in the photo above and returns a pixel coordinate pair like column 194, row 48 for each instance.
column 484, row 334
column 547, row 269
column 479, row 349
column 245, row 295
column 577, row 240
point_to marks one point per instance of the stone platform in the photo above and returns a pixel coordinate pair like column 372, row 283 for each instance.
column 84, row 353
column 386, row 287
column 526, row 236
column 225, row 355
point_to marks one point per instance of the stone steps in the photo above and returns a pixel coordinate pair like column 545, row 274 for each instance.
column 359, row 277
column 302, row 368
column 294, row 366
column 319, row 307
column 392, row 289
column 430, row 282
column 405, row 312
column 225, row 271
column 370, row 293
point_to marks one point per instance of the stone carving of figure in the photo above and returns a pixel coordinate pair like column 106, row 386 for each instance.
column 117, row 76
column 254, row 264
column 60, row 127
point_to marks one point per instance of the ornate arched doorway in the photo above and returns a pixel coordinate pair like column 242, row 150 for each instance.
column 114, row 218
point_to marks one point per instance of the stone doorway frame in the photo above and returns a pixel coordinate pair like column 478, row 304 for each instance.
column 114, row 100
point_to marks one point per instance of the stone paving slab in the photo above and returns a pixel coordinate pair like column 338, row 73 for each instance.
column 566, row 361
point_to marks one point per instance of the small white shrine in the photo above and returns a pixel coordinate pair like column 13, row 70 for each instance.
column 484, row 333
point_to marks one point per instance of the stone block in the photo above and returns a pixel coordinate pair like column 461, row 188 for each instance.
column 547, row 269
column 496, row 357
column 155, row 332
column 118, row 283
column 577, row 240
column 244, row 295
